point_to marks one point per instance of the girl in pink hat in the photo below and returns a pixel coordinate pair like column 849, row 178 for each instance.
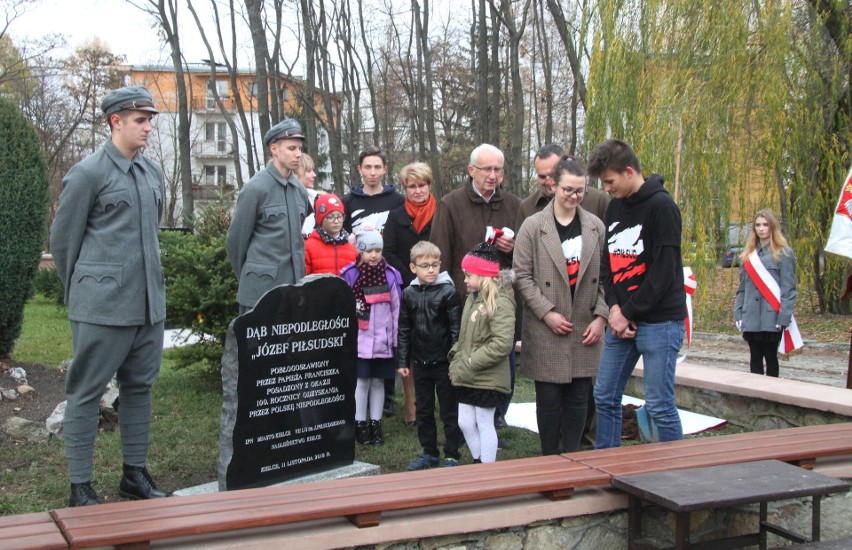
column 479, row 361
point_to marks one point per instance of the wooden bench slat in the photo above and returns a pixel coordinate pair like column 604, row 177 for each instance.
column 363, row 500
column 207, row 521
column 534, row 478
column 826, row 444
column 231, row 498
column 834, row 431
column 813, row 446
column 31, row 531
column 801, row 448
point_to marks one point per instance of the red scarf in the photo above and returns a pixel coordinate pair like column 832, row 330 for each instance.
column 421, row 213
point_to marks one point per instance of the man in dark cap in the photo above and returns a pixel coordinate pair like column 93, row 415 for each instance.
column 104, row 243
column 265, row 243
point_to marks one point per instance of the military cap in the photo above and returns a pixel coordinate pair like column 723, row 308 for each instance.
column 134, row 98
column 286, row 129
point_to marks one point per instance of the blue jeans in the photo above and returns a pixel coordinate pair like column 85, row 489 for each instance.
column 658, row 344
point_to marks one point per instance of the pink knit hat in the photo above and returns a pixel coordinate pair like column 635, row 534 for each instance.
column 482, row 260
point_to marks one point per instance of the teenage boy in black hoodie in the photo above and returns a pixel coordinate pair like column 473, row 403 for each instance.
column 429, row 321
column 370, row 202
column 643, row 284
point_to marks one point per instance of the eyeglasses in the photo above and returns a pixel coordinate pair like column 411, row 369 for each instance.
column 576, row 191
column 414, row 186
column 496, row 170
column 433, row 265
column 334, row 217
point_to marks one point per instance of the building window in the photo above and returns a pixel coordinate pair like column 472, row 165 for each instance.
column 285, row 94
column 216, row 131
column 215, row 175
column 252, row 89
column 221, row 87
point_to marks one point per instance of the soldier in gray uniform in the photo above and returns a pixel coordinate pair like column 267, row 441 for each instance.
column 265, row 243
column 104, row 243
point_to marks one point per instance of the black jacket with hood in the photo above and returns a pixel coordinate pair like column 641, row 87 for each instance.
column 643, row 270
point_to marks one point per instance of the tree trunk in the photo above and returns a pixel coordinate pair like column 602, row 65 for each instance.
column 166, row 15
column 261, row 55
column 573, row 59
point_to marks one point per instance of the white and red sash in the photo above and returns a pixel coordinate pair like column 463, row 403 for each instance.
column 689, row 285
column 771, row 292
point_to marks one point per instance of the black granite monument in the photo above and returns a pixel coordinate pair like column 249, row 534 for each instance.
column 289, row 384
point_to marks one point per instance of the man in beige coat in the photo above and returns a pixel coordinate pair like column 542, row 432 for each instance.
column 557, row 265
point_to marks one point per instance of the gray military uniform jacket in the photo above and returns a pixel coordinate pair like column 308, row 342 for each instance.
column 265, row 242
column 750, row 307
column 104, row 240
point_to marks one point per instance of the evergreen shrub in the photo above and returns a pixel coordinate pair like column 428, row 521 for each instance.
column 23, row 217
column 47, row 283
column 201, row 288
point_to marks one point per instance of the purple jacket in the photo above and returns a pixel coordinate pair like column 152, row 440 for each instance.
column 379, row 340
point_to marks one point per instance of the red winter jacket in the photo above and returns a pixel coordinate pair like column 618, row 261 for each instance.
column 327, row 258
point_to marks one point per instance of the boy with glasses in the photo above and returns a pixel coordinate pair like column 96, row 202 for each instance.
column 429, row 320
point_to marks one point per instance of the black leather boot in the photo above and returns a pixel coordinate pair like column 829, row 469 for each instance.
column 82, row 494
column 376, row 436
column 138, row 485
column 362, row 432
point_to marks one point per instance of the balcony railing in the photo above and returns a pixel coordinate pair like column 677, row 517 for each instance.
column 217, row 148
column 202, row 192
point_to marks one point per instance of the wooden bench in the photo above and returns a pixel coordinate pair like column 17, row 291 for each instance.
column 31, row 531
column 361, row 500
column 799, row 446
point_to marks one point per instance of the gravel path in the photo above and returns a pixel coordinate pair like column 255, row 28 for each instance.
column 817, row 362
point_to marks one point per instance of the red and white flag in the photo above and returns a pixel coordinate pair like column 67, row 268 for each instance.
column 689, row 285
column 771, row 292
column 840, row 237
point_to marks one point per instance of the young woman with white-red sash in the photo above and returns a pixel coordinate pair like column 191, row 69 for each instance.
column 766, row 294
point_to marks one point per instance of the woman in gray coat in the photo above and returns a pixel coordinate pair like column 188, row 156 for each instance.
column 763, row 321
column 557, row 263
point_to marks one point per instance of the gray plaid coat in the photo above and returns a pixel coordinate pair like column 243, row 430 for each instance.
column 542, row 281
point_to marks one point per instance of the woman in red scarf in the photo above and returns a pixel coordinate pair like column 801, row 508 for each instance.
column 405, row 227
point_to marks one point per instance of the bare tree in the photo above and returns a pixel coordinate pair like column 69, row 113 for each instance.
column 570, row 50
column 165, row 12
column 421, row 20
column 515, row 32
column 368, row 65
column 261, row 56
column 236, row 92
column 541, row 49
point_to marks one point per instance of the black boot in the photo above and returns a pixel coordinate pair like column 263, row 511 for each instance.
column 82, row 494
column 376, row 437
column 389, row 406
column 362, row 432
column 138, row 485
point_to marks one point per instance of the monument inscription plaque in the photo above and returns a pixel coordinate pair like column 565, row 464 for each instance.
column 289, row 382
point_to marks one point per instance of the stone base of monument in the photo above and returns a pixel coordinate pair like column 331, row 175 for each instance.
column 356, row 469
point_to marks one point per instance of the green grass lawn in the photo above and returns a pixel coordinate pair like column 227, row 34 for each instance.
column 184, row 430
column 46, row 334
